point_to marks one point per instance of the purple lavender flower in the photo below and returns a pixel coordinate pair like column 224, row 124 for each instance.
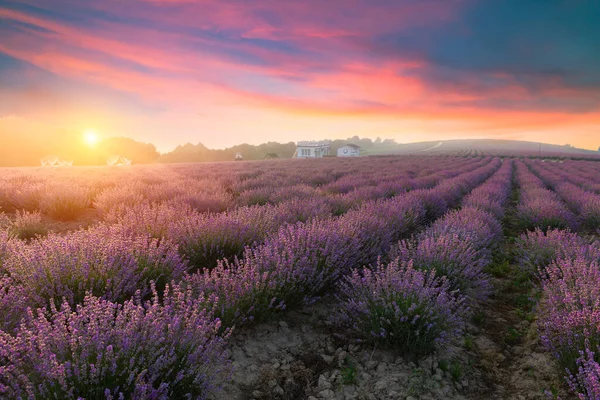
column 569, row 312
column 450, row 256
column 105, row 350
column 105, row 261
column 399, row 306
column 585, row 383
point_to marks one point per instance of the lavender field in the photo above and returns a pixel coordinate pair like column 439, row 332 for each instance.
column 397, row 277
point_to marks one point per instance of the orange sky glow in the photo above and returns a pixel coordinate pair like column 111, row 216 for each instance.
column 222, row 73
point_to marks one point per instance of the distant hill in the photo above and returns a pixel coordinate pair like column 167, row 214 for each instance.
column 369, row 147
column 493, row 147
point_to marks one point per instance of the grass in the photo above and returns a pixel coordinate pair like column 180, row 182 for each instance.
column 513, row 336
column 348, row 373
column 468, row 341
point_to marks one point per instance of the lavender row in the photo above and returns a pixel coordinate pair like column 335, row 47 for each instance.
column 583, row 173
column 420, row 299
column 459, row 245
column 539, row 206
column 172, row 348
column 68, row 193
column 584, row 203
column 302, row 260
column 569, row 310
column 161, row 245
column 204, row 238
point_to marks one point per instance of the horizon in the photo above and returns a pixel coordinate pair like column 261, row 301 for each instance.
column 230, row 72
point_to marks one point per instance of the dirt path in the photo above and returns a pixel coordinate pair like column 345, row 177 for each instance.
column 513, row 363
column 508, row 350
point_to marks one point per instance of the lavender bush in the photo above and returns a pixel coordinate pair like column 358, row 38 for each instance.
column 104, row 261
column 537, row 249
column 399, row 306
column 28, row 225
column 451, row 256
column 103, row 350
column 585, row 383
column 290, row 268
column 476, row 226
column 64, row 202
column 569, row 314
column 13, row 303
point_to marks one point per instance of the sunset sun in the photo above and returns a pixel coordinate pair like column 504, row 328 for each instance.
column 90, row 137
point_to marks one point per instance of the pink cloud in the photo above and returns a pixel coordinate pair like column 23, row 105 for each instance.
column 309, row 58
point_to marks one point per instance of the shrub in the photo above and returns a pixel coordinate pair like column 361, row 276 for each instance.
column 570, row 309
column 590, row 214
column 449, row 256
column 65, row 202
column 28, row 225
column 546, row 214
column 105, row 350
column 104, row 261
column 13, row 303
column 211, row 237
column 120, row 198
column 27, row 196
column 399, row 306
column 476, row 226
column 585, row 384
column 288, row 269
column 537, row 249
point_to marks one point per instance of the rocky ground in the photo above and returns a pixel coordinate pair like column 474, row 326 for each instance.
column 300, row 357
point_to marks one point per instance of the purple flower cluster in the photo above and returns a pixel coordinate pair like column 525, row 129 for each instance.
column 585, row 203
column 400, row 306
column 403, row 304
column 451, row 256
column 569, row 310
column 569, row 313
column 585, row 384
column 540, row 207
column 105, row 261
column 288, row 269
column 459, row 244
column 535, row 250
column 100, row 349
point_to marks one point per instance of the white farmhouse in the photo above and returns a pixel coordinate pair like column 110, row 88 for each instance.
column 349, row 150
column 312, row 149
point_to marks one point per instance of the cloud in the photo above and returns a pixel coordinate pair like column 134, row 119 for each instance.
column 504, row 62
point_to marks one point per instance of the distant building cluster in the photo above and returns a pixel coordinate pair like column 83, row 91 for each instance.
column 317, row 149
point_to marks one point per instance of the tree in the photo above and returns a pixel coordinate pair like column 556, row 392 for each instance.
column 138, row 152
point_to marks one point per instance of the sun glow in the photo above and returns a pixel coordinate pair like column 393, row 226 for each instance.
column 90, row 137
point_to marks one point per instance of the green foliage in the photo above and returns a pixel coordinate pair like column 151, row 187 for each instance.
column 468, row 340
column 455, row 370
column 348, row 373
column 513, row 335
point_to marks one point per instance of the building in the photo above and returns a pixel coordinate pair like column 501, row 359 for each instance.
column 238, row 156
column 312, row 149
column 348, row 150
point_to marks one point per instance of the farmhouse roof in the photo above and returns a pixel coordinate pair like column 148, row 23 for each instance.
column 313, row 144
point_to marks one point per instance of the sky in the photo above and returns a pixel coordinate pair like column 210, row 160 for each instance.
column 225, row 72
